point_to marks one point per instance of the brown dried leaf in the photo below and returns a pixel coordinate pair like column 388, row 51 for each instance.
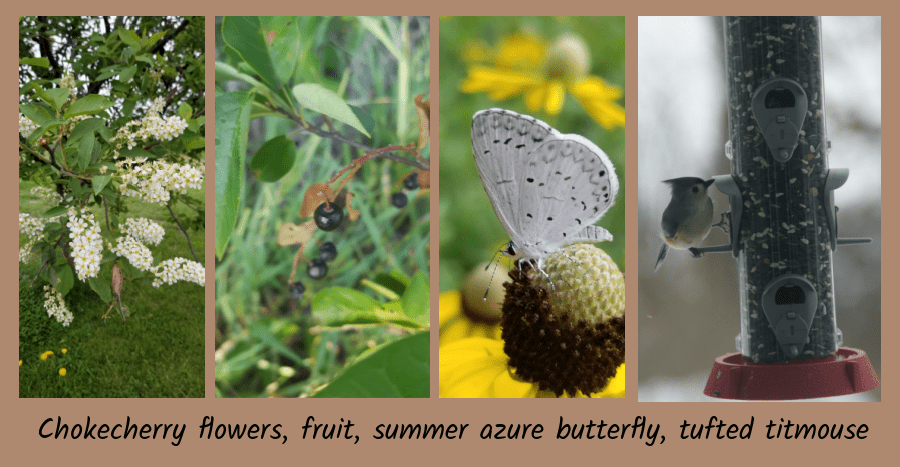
column 315, row 195
column 424, row 177
column 292, row 234
column 117, row 279
column 423, row 109
column 353, row 214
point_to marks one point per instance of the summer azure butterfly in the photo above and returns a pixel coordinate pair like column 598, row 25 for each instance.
column 547, row 188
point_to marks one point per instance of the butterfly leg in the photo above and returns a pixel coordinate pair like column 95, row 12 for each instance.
column 538, row 265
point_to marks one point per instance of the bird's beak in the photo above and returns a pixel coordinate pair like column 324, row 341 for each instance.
column 709, row 183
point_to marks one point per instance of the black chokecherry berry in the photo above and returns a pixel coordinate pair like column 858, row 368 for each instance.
column 411, row 182
column 328, row 216
column 327, row 251
column 398, row 199
column 297, row 290
column 317, row 269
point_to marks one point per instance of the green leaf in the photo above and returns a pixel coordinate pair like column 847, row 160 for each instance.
column 65, row 279
column 226, row 72
column 38, row 115
column 56, row 97
column 417, row 299
column 100, row 285
column 85, row 127
column 55, row 211
column 274, row 159
column 185, row 111
column 90, row 104
column 43, row 129
column 99, row 181
column 398, row 369
column 35, row 61
column 320, row 99
column 244, row 35
column 155, row 38
column 264, row 334
column 285, row 44
column 129, row 37
column 85, row 151
column 367, row 121
column 126, row 74
column 135, row 152
column 338, row 306
column 232, row 120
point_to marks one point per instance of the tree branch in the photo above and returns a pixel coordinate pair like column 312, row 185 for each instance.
column 188, row 237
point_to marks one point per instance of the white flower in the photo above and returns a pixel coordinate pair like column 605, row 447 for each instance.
column 86, row 243
column 144, row 230
column 134, row 251
column 56, row 307
column 173, row 270
column 153, row 181
column 26, row 126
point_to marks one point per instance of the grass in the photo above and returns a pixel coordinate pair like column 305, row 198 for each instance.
column 260, row 328
column 157, row 352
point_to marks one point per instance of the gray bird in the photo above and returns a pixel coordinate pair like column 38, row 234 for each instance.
column 688, row 218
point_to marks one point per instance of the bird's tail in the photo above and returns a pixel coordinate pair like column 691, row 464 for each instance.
column 662, row 256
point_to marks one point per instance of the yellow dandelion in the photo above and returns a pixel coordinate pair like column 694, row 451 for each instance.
column 544, row 74
column 46, row 354
column 62, row 372
column 64, row 350
column 20, row 362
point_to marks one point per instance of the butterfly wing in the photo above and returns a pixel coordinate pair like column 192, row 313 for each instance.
column 567, row 184
column 501, row 142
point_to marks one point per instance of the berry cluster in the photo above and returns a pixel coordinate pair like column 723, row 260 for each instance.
column 410, row 183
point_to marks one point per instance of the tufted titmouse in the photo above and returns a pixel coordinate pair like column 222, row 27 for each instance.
column 688, row 218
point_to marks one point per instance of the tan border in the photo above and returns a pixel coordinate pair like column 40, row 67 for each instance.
column 22, row 417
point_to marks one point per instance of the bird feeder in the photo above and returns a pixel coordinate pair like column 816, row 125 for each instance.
column 782, row 222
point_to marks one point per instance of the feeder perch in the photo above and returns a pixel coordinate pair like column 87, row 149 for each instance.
column 782, row 221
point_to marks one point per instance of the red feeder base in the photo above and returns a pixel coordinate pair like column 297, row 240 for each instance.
column 733, row 377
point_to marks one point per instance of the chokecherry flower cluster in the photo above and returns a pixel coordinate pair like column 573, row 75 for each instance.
column 26, row 126
column 85, row 242
column 144, row 230
column 68, row 82
column 134, row 251
column 151, row 125
column 47, row 193
column 153, row 181
column 173, row 270
column 56, row 307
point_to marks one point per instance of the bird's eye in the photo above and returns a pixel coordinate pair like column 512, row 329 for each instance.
column 696, row 189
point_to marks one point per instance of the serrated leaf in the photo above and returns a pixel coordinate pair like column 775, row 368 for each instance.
column 416, row 299
column 185, row 111
column 320, row 99
column 55, row 211
column 38, row 115
column 55, row 97
column 398, row 369
column 65, row 279
column 126, row 74
column 35, row 61
column 90, row 104
column 226, row 72
column 85, row 151
column 274, row 159
column 99, row 181
column 43, row 129
column 367, row 121
column 129, row 37
column 85, row 127
column 100, row 285
column 232, row 120
column 244, row 35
